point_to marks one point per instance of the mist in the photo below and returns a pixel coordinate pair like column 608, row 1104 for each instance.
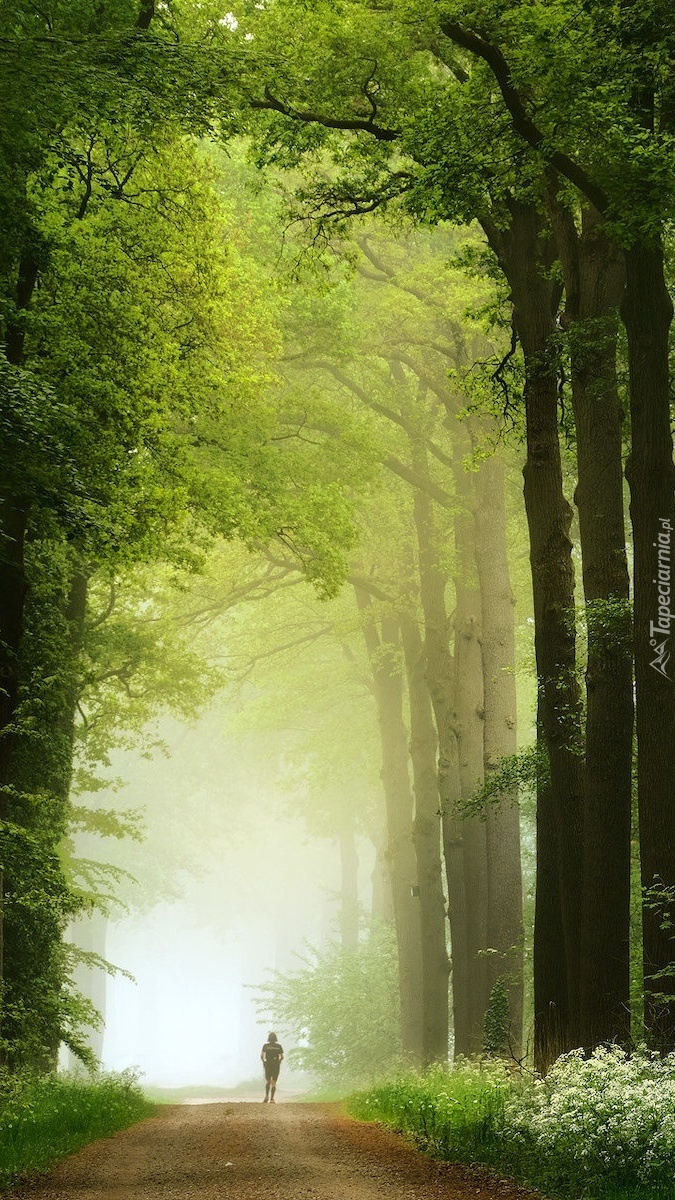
column 227, row 888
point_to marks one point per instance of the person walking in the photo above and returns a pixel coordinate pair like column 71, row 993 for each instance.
column 272, row 1055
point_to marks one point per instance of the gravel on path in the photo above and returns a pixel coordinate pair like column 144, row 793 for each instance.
column 247, row 1151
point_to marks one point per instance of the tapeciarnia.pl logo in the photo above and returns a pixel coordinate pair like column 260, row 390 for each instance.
column 659, row 630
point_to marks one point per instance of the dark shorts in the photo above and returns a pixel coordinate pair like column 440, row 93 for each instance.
column 271, row 1072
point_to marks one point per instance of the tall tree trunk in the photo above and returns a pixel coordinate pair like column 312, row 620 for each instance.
column 647, row 312
column 526, row 253
column 38, row 901
column 594, row 280
column 349, row 889
column 440, row 678
column 552, row 1015
column 384, row 651
column 469, row 710
column 13, row 587
column 427, row 841
column 505, row 883
column 14, row 509
column 382, row 907
column 14, row 512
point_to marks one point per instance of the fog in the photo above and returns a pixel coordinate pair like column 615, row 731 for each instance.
column 228, row 888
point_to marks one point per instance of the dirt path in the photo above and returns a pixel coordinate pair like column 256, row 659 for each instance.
column 245, row 1151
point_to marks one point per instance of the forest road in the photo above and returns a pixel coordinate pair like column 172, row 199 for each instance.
column 246, row 1151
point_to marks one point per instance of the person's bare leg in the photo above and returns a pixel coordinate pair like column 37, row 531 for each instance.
column 274, row 1088
column 267, row 1092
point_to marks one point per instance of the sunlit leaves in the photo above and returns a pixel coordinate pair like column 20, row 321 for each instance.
column 342, row 1007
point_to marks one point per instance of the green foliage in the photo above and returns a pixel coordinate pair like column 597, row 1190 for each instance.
column 37, row 1012
column 609, row 624
column 140, row 425
column 660, row 900
column 602, row 1126
column 514, row 775
column 342, row 1008
column 41, row 1120
column 598, row 1128
column 454, row 1113
column 496, row 1022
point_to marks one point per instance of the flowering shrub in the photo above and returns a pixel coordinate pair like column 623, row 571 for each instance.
column 595, row 1127
column 611, row 1114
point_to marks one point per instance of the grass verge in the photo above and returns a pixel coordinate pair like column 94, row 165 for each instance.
column 601, row 1128
column 43, row 1119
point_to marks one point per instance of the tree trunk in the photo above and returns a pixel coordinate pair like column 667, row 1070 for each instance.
column 469, row 710
column 382, row 903
column 440, row 678
column 594, row 281
column 349, row 890
column 551, row 994
column 38, row 902
column 13, row 521
column 505, row 884
column 647, row 313
column 14, row 512
column 384, row 653
column 526, row 254
column 427, row 841
column 13, row 587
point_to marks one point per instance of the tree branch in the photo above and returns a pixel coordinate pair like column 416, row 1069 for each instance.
column 292, row 644
column 360, row 124
column 522, row 122
column 146, row 14
column 367, row 585
column 374, row 405
column 107, row 611
column 418, row 481
column 430, row 381
column 389, row 275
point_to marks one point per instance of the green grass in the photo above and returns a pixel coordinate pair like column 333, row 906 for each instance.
column 455, row 1114
column 596, row 1129
column 43, row 1119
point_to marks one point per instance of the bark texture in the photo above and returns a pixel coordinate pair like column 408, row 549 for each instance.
column 526, row 253
column 647, row 314
column 384, row 651
column 14, row 514
column 349, row 887
column 427, row 841
column 505, row 884
column 594, row 281
column 469, row 714
column 382, row 902
column 440, row 678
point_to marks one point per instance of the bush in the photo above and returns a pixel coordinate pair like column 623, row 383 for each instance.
column 342, row 1008
column 43, row 1119
column 608, row 1121
column 457, row 1114
column 598, row 1128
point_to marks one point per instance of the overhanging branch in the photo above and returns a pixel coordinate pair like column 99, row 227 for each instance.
column 418, row 481
column 356, row 124
column 522, row 122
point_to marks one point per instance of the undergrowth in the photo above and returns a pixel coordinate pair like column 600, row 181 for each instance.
column 598, row 1128
column 43, row 1119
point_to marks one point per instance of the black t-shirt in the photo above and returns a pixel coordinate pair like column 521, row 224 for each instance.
column 272, row 1053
